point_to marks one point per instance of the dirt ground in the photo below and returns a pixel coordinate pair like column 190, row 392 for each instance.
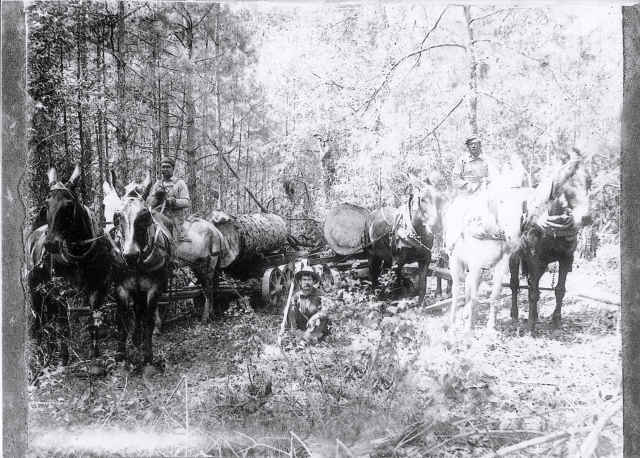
column 390, row 380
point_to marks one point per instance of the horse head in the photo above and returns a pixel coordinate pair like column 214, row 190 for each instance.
column 425, row 203
column 134, row 219
column 570, row 189
column 61, row 210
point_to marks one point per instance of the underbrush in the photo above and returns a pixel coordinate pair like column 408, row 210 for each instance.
column 387, row 381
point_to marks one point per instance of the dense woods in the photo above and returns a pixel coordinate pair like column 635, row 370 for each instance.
column 292, row 109
column 307, row 106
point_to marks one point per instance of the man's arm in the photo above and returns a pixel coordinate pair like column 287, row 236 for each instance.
column 152, row 201
column 182, row 195
column 456, row 175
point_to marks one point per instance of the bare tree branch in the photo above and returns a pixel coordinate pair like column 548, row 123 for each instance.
column 491, row 14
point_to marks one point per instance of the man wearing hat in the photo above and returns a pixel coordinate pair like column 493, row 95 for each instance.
column 305, row 310
column 470, row 168
column 171, row 196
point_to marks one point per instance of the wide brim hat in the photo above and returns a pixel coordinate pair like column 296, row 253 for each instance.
column 168, row 160
column 471, row 138
column 307, row 270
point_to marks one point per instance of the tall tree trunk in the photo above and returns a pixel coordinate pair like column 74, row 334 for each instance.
column 473, row 74
column 100, row 137
column 121, row 125
column 190, row 147
column 222, row 183
column 64, row 111
column 630, row 236
column 86, row 184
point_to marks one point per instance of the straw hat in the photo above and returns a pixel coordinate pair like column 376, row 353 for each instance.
column 307, row 270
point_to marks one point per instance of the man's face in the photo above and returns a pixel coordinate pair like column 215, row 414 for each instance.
column 474, row 148
column 167, row 170
column 306, row 283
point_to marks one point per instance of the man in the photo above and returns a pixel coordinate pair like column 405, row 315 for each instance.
column 305, row 310
column 470, row 169
column 171, row 196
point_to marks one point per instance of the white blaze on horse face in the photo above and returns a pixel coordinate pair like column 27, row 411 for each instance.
column 510, row 213
column 111, row 202
column 130, row 209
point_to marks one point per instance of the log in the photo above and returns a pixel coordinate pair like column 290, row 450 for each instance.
column 250, row 237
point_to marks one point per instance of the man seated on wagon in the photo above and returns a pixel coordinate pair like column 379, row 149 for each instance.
column 305, row 311
column 170, row 196
column 471, row 168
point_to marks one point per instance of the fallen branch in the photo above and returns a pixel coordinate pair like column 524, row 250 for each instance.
column 504, row 451
column 590, row 443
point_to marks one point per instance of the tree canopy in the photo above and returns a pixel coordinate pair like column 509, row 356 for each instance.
column 311, row 105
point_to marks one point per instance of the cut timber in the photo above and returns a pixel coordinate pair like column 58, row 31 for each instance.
column 607, row 298
column 344, row 228
column 250, row 237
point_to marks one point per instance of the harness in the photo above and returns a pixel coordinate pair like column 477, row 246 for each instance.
column 97, row 233
column 402, row 233
column 153, row 232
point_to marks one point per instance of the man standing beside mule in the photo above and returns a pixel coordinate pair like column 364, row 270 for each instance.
column 471, row 168
column 171, row 196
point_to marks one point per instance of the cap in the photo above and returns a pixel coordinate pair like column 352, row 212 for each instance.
column 168, row 160
column 471, row 138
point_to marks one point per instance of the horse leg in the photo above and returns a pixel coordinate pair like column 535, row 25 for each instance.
column 64, row 333
column 563, row 270
column 122, row 303
column 514, row 283
column 423, row 266
column 499, row 270
column 472, row 284
column 375, row 267
column 148, row 321
column 535, row 273
column 454, row 266
column 95, row 300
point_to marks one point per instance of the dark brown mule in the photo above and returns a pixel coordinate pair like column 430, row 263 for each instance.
column 404, row 235
column 560, row 210
column 141, row 255
column 71, row 246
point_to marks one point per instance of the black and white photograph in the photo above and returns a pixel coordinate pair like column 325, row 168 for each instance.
column 277, row 229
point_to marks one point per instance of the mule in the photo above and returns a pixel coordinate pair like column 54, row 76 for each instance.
column 482, row 231
column 561, row 209
column 202, row 253
column 141, row 255
column 404, row 235
column 71, row 246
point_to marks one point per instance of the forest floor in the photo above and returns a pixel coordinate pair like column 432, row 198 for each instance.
column 391, row 380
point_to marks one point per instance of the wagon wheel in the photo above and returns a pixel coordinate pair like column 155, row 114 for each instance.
column 289, row 272
column 274, row 288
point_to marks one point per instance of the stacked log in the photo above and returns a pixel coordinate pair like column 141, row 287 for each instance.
column 250, row 237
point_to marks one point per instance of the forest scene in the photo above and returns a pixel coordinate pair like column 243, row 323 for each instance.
column 276, row 115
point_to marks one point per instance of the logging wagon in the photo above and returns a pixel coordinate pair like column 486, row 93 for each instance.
column 258, row 265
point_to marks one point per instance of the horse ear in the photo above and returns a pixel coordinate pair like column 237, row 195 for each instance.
column 52, row 174
column 146, row 185
column 416, row 183
column 435, row 177
column 73, row 180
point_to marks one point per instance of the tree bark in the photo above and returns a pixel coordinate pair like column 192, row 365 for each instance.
column 630, row 236
column 121, row 125
column 249, row 237
column 190, row 147
column 473, row 74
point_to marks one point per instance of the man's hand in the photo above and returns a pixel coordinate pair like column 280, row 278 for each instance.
column 473, row 187
column 171, row 201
